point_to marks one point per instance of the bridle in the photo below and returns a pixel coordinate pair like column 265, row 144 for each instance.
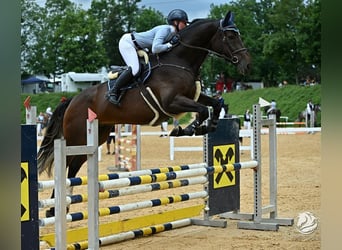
column 233, row 58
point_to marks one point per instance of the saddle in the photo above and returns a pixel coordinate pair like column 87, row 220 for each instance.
column 145, row 91
column 139, row 82
column 144, row 73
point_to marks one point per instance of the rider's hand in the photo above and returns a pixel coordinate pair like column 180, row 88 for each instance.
column 174, row 40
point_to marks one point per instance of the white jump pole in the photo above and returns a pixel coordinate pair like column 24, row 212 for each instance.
column 93, row 186
column 61, row 151
column 60, row 193
column 138, row 148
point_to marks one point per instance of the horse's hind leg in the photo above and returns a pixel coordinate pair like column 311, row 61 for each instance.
column 51, row 212
column 74, row 166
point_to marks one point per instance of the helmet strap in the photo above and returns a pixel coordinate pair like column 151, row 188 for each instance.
column 177, row 25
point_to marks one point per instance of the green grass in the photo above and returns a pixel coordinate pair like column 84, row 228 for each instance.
column 42, row 101
column 290, row 100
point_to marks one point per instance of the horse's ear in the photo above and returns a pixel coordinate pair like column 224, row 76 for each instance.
column 229, row 19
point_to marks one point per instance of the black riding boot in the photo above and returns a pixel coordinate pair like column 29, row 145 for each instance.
column 124, row 78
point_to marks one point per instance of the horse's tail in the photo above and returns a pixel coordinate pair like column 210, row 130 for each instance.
column 54, row 130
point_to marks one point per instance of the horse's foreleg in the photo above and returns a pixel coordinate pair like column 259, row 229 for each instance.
column 183, row 104
column 213, row 121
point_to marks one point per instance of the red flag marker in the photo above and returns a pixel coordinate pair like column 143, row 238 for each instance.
column 91, row 115
column 27, row 102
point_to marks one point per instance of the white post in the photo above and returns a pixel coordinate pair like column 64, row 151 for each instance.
column 257, row 157
column 31, row 115
column 172, row 148
column 60, row 193
column 138, row 148
column 312, row 119
column 117, row 145
column 99, row 153
column 251, row 143
column 93, row 186
column 273, row 166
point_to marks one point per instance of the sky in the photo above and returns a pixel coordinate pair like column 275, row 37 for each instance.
column 194, row 8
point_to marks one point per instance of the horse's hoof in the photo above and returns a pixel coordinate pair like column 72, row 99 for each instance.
column 177, row 131
column 202, row 130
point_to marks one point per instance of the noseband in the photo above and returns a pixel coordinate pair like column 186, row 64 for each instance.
column 233, row 58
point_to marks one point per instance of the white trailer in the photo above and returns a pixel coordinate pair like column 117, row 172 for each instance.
column 73, row 82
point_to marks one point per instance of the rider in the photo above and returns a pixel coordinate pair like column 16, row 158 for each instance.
column 155, row 40
column 273, row 107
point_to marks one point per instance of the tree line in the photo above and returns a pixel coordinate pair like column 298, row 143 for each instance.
column 282, row 36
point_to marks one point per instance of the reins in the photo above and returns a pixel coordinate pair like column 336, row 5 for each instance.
column 233, row 58
column 160, row 64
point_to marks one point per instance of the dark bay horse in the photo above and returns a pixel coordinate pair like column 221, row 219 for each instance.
column 172, row 81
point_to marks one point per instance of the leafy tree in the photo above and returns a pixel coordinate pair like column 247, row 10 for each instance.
column 148, row 18
column 116, row 18
column 65, row 39
column 283, row 37
column 81, row 47
column 245, row 12
column 309, row 40
column 280, row 43
column 31, row 25
column 106, row 12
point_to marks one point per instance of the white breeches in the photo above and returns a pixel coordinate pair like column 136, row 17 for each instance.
column 129, row 53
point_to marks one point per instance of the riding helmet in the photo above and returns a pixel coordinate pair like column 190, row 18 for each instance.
column 177, row 14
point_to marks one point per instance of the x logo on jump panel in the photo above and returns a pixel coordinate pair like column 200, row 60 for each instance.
column 224, row 154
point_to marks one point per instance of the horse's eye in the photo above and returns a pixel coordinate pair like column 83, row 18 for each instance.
column 231, row 35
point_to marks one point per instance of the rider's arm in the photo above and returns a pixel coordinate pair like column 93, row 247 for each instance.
column 159, row 44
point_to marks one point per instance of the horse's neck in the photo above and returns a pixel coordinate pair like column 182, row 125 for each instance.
column 195, row 44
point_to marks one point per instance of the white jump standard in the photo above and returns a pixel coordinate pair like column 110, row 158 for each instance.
column 256, row 220
column 219, row 176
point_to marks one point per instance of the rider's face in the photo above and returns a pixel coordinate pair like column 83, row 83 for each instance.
column 181, row 25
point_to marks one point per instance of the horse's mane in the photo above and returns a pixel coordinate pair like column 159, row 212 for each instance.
column 194, row 23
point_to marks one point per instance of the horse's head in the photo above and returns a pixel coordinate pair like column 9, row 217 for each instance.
column 228, row 44
column 216, row 37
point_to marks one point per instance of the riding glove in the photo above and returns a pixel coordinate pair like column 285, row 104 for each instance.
column 174, row 40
